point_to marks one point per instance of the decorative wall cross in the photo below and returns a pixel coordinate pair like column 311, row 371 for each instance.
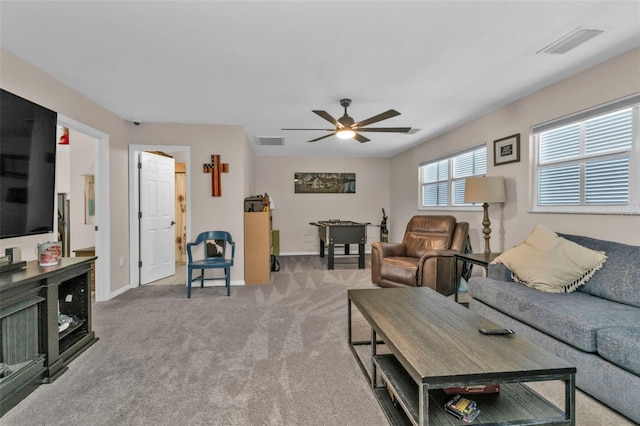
column 215, row 168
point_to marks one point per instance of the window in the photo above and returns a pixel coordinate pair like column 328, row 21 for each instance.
column 442, row 180
column 589, row 162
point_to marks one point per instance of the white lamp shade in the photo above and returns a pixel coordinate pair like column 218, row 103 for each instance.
column 484, row 189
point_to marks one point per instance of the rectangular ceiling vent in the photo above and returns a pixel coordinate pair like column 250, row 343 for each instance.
column 270, row 140
column 570, row 41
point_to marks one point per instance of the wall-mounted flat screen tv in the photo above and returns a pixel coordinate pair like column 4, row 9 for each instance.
column 27, row 167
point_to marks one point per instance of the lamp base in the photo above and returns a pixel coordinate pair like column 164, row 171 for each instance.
column 486, row 230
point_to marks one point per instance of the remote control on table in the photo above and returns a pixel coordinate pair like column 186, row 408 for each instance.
column 496, row 331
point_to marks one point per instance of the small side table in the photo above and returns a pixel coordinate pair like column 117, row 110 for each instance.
column 482, row 259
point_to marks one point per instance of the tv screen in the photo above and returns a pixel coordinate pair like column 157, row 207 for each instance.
column 27, row 167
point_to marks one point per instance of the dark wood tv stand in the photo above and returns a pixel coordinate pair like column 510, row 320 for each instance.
column 30, row 300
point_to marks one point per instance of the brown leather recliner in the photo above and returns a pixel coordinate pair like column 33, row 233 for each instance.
column 425, row 258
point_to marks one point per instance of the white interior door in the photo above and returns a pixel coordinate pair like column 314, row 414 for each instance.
column 157, row 221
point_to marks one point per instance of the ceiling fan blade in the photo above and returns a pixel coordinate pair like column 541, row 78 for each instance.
column 328, row 117
column 376, row 118
column 322, row 137
column 386, row 129
column 361, row 138
column 327, row 130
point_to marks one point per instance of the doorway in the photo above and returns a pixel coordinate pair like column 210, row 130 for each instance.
column 75, row 180
column 101, row 217
column 181, row 154
column 156, row 215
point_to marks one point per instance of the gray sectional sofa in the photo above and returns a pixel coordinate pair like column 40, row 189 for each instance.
column 596, row 328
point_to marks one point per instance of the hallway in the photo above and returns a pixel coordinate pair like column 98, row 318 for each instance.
column 180, row 276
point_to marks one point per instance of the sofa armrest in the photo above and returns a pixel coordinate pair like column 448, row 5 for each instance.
column 499, row 272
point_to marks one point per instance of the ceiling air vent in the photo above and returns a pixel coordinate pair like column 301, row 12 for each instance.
column 570, row 41
column 270, row 140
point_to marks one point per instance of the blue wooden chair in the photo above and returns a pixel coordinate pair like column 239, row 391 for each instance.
column 215, row 257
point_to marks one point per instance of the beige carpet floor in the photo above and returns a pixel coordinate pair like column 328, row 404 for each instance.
column 273, row 354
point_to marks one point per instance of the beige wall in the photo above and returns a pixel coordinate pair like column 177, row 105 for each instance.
column 20, row 78
column 511, row 222
column 249, row 170
column 293, row 212
column 381, row 183
column 208, row 213
column 73, row 162
column 231, row 142
column 82, row 155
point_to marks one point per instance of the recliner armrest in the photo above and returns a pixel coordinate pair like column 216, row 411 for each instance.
column 437, row 271
column 389, row 249
column 436, row 253
column 380, row 250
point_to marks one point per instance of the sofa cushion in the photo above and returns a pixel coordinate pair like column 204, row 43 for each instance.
column 573, row 318
column 619, row 277
column 551, row 263
column 621, row 346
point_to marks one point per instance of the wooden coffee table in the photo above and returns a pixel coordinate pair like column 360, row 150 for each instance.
column 432, row 343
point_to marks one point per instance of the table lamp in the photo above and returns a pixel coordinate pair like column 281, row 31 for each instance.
column 485, row 189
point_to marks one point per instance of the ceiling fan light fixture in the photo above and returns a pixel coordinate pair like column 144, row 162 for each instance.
column 347, row 128
column 345, row 134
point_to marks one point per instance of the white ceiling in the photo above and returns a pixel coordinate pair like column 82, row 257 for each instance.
column 266, row 64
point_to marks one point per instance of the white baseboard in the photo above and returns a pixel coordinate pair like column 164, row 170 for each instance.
column 216, row 283
column 316, row 253
column 119, row 291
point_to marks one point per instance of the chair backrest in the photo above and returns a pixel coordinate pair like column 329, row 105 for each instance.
column 215, row 244
column 461, row 241
column 462, row 244
column 426, row 233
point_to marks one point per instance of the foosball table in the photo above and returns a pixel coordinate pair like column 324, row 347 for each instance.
column 341, row 232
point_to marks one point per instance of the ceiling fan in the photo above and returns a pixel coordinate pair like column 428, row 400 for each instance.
column 347, row 128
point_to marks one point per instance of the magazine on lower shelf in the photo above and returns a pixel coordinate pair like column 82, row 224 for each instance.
column 462, row 408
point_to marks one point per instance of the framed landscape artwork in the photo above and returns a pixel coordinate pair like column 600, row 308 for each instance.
column 506, row 150
column 324, row 183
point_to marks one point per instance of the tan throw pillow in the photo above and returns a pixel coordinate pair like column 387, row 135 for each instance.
column 551, row 263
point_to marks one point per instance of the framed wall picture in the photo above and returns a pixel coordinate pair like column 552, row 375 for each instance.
column 324, row 183
column 89, row 200
column 506, row 150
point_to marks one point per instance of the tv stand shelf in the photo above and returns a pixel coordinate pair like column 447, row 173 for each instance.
column 71, row 329
column 32, row 297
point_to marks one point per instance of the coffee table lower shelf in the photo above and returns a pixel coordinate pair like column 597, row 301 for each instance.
column 515, row 404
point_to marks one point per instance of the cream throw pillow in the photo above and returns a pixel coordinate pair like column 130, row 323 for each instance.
column 551, row 263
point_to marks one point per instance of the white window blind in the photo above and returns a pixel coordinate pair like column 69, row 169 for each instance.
column 472, row 163
column 435, row 188
column 587, row 164
column 442, row 180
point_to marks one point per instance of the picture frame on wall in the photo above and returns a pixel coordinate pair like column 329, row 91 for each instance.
column 506, row 150
column 89, row 200
column 324, row 183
